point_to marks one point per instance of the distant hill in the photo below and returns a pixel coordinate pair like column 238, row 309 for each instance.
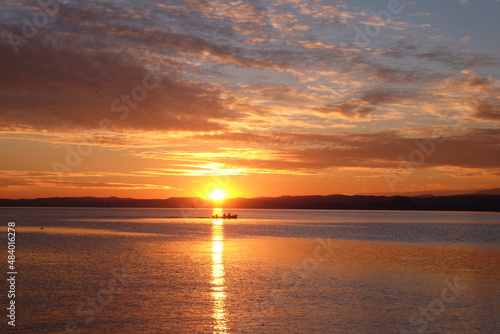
column 494, row 191
column 472, row 202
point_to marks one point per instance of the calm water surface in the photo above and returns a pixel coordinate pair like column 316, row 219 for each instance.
column 271, row 271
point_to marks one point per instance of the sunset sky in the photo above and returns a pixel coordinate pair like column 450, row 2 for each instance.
column 155, row 99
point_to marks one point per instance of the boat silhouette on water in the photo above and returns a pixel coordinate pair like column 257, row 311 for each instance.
column 224, row 216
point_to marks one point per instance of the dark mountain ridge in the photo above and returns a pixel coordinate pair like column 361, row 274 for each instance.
column 470, row 202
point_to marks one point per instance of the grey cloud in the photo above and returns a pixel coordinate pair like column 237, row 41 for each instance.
column 488, row 110
column 353, row 108
column 48, row 88
column 367, row 102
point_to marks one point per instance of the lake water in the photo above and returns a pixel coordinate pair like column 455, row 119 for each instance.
column 100, row 270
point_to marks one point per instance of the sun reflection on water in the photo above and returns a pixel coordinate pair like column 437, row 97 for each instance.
column 218, row 284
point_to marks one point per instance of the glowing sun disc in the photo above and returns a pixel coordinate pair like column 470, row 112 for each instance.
column 217, row 195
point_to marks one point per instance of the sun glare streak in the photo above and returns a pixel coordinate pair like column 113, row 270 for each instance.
column 218, row 286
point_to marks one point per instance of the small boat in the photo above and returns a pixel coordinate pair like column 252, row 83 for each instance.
column 226, row 217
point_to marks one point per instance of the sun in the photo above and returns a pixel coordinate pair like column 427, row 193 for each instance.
column 217, row 195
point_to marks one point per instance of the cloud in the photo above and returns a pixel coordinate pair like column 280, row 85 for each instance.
column 367, row 102
column 465, row 39
column 24, row 179
column 473, row 148
column 421, row 14
column 48, row 88
column 380, row 96
column 488, row 110
column 76, row 67
column 456, row 61
column 354, row 108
